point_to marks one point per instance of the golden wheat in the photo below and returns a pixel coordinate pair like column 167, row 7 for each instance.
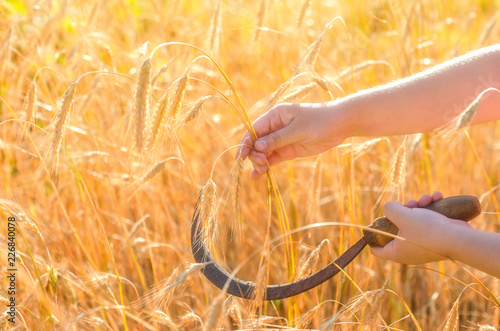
column 29, row 104
column 260, row 20
column 58, row 127
column 302, row 13
column 140, row 110
column 215, row 26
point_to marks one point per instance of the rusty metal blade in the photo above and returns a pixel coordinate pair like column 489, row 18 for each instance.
column 245, row 289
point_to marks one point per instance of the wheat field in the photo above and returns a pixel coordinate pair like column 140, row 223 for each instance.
column 114, row 114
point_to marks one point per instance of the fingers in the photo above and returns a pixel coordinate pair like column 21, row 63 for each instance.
column 384, row 253
column 396, row 212
column 244, row 148
column 424, row 200
column 437, row 195
column 411, row 204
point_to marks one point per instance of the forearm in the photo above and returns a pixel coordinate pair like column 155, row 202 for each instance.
column 478, row 249
column 428, row 100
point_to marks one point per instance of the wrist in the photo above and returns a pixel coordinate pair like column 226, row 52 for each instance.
column 456, row 234
column 342, row 118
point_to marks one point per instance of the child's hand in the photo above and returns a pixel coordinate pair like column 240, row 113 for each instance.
column 424, row 227
column 288, row 131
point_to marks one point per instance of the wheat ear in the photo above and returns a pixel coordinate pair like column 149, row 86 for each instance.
column 303, row 11
column 208, row 210
column 398, row 166
column 215, row 26
column 260, row 20
column 195, row 110
column 307, row 265
column 158, row 120
column 153, row 171
column 59, row 125
column 29, row 104
column 452, row 320
column 158, row 75
column 307, row 62
column 141, row 104
column 180, row 92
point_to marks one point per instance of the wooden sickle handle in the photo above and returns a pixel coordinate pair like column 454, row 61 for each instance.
column 460, row 207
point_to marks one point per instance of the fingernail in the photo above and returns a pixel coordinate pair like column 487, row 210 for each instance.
column 261, row 145
column 261, row 169
column 259, row 160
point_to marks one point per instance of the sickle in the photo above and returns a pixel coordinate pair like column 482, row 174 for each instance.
column 458, row 207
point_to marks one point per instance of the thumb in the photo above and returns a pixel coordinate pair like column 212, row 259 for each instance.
column 276, row 140
column 396, row 213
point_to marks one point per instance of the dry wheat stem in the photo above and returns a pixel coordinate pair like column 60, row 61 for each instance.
column 180, row 92
column 309, row 59
column 344, row 74
column 59, row 125
column 158, row 75
column 29, row 104
column 306, row 266
column 159, row 295
column 140, row 111
column 466, row 116
column 208, row 210
column 153, row 171
column 215, row 26
column 215, row 310
column 313, row 205
column 302, row 14
column 195, row 110
column 398, row 166
column 13, row 208
column 260, row 20
column 237, row 186
column 158, row 120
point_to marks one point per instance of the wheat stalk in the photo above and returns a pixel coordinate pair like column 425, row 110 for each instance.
column 487, row 31
column 344, row 74
column 239, row 166
column 260, row 20
column 14, row 209
column 308, row 263
column 158, row 120
column 260, row 287
column 195, row 110
column 214, row 29
column 53, row 277
column 159, row 295
column 302, row 14
column 313, row 205
column 466, row 116
column 58, row 126
column 397, row 166
column 179, row 94
column 158, row 75
column 452, row 320
column 153, row 171
column 208, row 210
column 305, row 319
column 215, row 311
column 307, row 62
column 140, row 109
column 29, row 104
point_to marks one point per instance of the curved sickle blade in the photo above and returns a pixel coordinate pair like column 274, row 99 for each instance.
column 245, row 289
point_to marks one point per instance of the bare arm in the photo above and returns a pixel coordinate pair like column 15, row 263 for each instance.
column 448, row 238
column 419, row 103
column 428, row 100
